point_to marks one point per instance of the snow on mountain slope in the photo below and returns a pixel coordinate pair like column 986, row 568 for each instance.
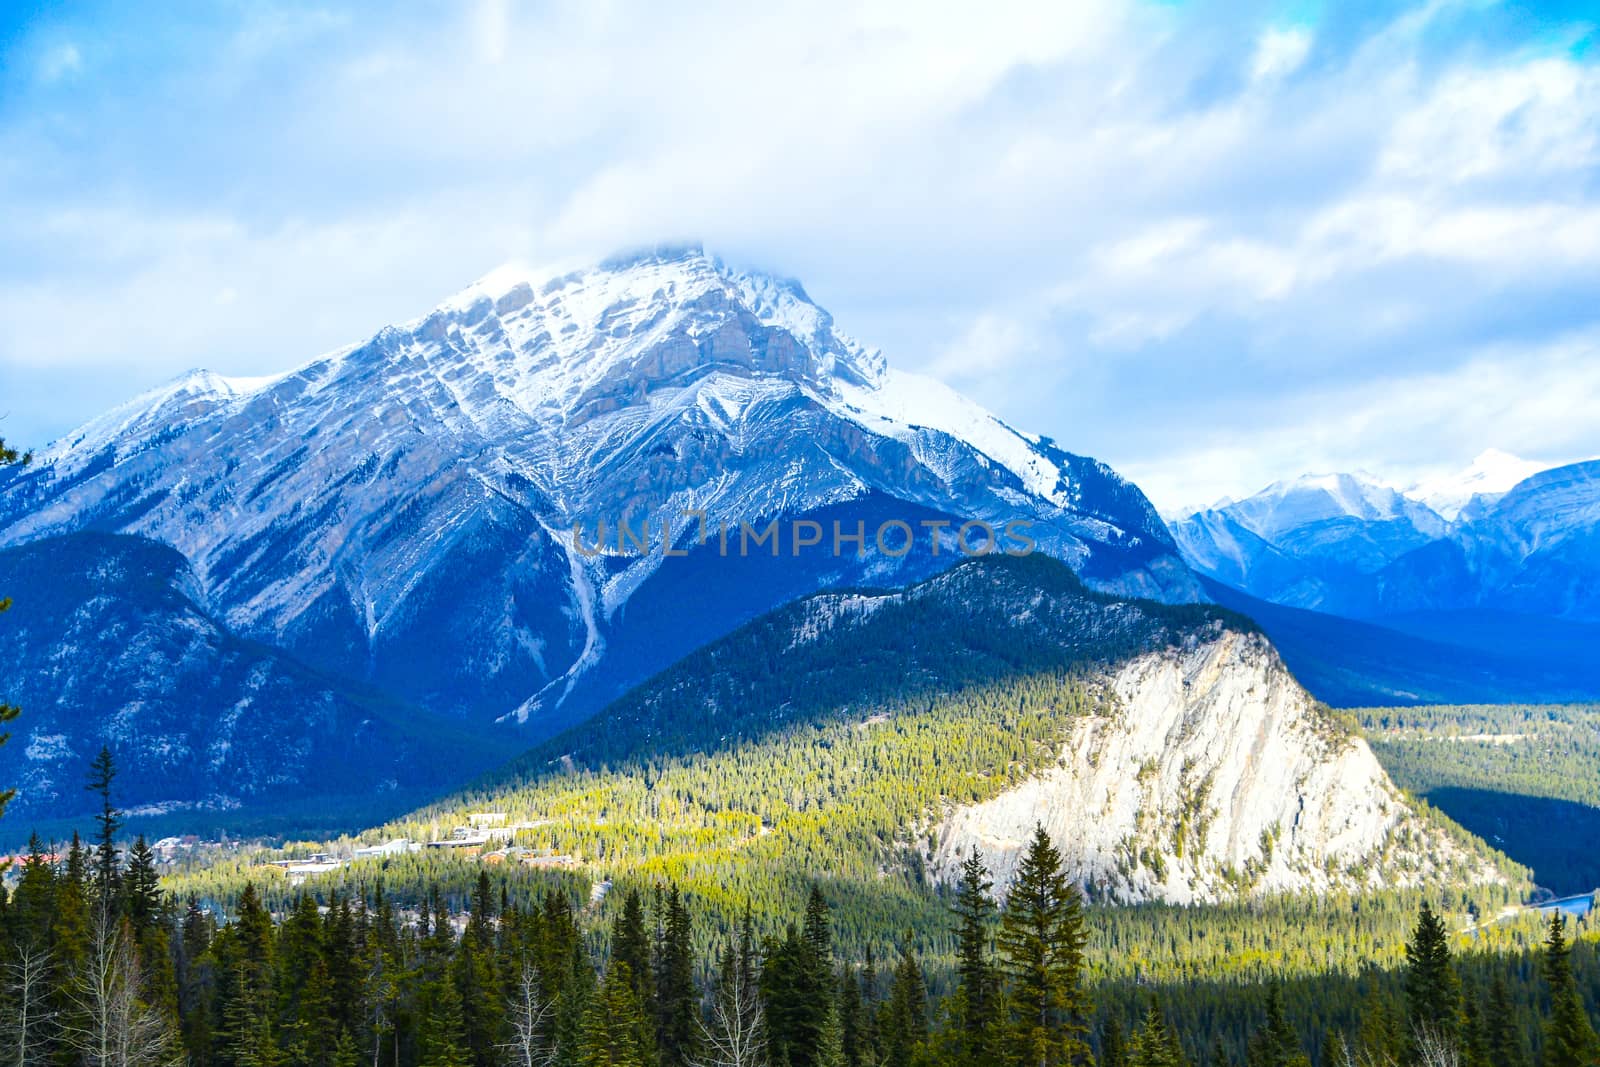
column 1304, row 542
column 1491, row 474
column 402, row 511
column 1283, row 508
column 900, row 403
column 1346, row 544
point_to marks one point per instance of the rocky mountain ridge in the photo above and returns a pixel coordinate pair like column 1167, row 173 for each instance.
column 399, row 514
column 1348, row 545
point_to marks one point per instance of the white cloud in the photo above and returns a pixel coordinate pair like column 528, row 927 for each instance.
column 990, row 342
column 1279, row 52
column 493, row 24
column 1535, row 400
column 1506, row 123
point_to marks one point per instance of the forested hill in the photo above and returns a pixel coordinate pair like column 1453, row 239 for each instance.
column 833, row 654
column 878, row 736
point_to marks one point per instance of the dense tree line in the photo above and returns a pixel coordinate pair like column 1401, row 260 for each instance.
column 1540, row 750
column 740, row 812
column 100, row 967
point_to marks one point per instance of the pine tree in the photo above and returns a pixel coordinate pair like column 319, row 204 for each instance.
column 343, row 952
column 196, row 981
column 1276, row 1044
column 870, row 1043
column 797, row 987
column 830, row 1047
column 1041, row 941
column 476, row 980
column 975, row 974
column 1382, row 1038
column 1433, row 993
column 34, row 900
column 905, row 1029
column 441, row 1037
column 1113, row 1046
column 850, row 1017
column 303, row 995
column 441, row 1028
column 616, row 1031
column 783, row 997
column 630, row 946
column 1333, row 1046
column 70, row 934
column 244, row 950
column 1156, row 1045
column 816, row 983
column 1473, row 1030
column 1507, row 1045
column 1569, row 1037
column 143, row 887
column 677, row 1013
column 818, row 927
column 102, row 773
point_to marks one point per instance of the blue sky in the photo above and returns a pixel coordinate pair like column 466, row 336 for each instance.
column 1212, row 245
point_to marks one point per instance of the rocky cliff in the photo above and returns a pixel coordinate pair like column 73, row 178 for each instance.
column 1215, row 776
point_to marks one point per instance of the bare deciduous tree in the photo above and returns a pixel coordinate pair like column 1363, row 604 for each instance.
column 1364, row 1058
column 26, row 985
column 736, row 1034
column 113, row 1026
column 532, row 1044
column 1433, row 1048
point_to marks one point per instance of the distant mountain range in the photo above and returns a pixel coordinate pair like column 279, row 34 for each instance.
column 397, row 518
column 1479, row 588
column 1349, row 545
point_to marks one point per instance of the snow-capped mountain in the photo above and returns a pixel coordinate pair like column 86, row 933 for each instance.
column 1490, row 476
column 1300, row 542
column 1349, row 545
column 401, row 511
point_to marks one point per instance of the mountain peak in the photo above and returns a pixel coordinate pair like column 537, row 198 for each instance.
column 610, row 334
column 666, row 252
column 432, row 477
column 1322, row 497
column 1492, row 473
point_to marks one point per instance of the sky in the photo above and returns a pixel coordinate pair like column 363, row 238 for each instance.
column 1212, row 245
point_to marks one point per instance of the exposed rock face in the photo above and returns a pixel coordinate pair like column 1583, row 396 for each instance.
column 401, row 511
column 1217, row 776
